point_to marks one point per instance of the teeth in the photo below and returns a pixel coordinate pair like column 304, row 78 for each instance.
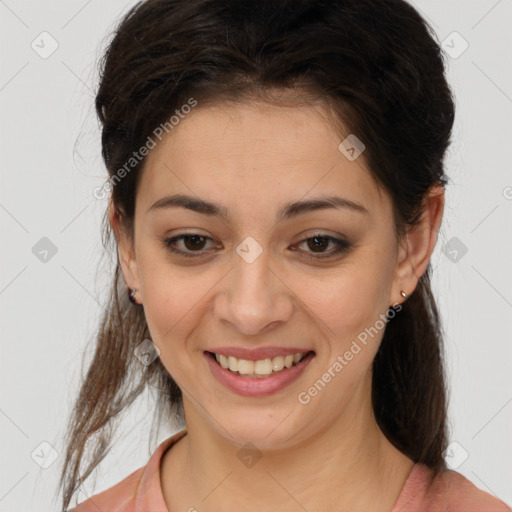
column 278, row 363
column 233, row 363
column 245, row 367
column 262, row 367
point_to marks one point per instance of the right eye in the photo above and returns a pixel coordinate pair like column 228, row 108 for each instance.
column 192, row 242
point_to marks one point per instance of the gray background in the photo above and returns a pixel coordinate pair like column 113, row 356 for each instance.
column 50, row 154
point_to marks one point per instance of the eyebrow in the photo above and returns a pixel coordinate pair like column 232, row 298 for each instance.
column 288, row 211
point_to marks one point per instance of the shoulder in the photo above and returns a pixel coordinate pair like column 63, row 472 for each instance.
column 139, row 491
column 450, row 491
column 118, row 498
column 464, row 495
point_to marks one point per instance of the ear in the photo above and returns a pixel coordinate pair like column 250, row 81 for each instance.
column 125, row 246
column 417, row 246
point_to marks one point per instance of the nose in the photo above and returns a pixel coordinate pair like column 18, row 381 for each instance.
column 253, row 298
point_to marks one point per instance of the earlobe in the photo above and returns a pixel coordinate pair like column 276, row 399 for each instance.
column 419, row 243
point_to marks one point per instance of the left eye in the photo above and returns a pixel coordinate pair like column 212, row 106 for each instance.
column 320, row 242
column 194, row 245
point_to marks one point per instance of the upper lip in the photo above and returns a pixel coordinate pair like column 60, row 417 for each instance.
column 256, row 354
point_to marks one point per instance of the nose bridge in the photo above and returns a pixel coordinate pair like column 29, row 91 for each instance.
column 253, row 297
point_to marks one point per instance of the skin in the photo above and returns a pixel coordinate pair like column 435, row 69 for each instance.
column 252, row 158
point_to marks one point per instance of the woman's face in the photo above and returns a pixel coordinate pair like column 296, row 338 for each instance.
column 262, row 279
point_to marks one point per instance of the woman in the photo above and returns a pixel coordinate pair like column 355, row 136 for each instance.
column 276, row 188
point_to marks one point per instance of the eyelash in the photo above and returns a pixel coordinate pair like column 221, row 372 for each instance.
column 341, row 246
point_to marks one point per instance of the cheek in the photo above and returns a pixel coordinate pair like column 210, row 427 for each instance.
column 171, row 296
column 349, row 300
column 173, row 309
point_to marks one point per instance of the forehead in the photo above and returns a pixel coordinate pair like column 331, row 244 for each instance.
column 230, row 153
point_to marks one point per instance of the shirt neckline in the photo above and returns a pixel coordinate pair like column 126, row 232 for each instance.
column 149, row 494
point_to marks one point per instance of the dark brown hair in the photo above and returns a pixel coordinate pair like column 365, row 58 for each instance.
column 379, row 67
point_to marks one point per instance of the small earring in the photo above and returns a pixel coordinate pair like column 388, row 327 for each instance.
column 131, row 295
column 403, row 294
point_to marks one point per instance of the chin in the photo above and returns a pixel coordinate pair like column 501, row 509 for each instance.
column 265, row 429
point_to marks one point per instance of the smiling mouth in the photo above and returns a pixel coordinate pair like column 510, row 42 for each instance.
column 261, row 368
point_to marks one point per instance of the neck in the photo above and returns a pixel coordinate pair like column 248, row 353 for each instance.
column 349, row 465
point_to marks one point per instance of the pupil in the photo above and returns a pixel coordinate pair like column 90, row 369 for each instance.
column 316, row 244
column 193, row 244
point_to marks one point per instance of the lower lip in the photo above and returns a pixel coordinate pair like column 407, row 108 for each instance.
column 247, row 386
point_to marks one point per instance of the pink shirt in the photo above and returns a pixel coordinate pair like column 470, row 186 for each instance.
column 450, row 492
